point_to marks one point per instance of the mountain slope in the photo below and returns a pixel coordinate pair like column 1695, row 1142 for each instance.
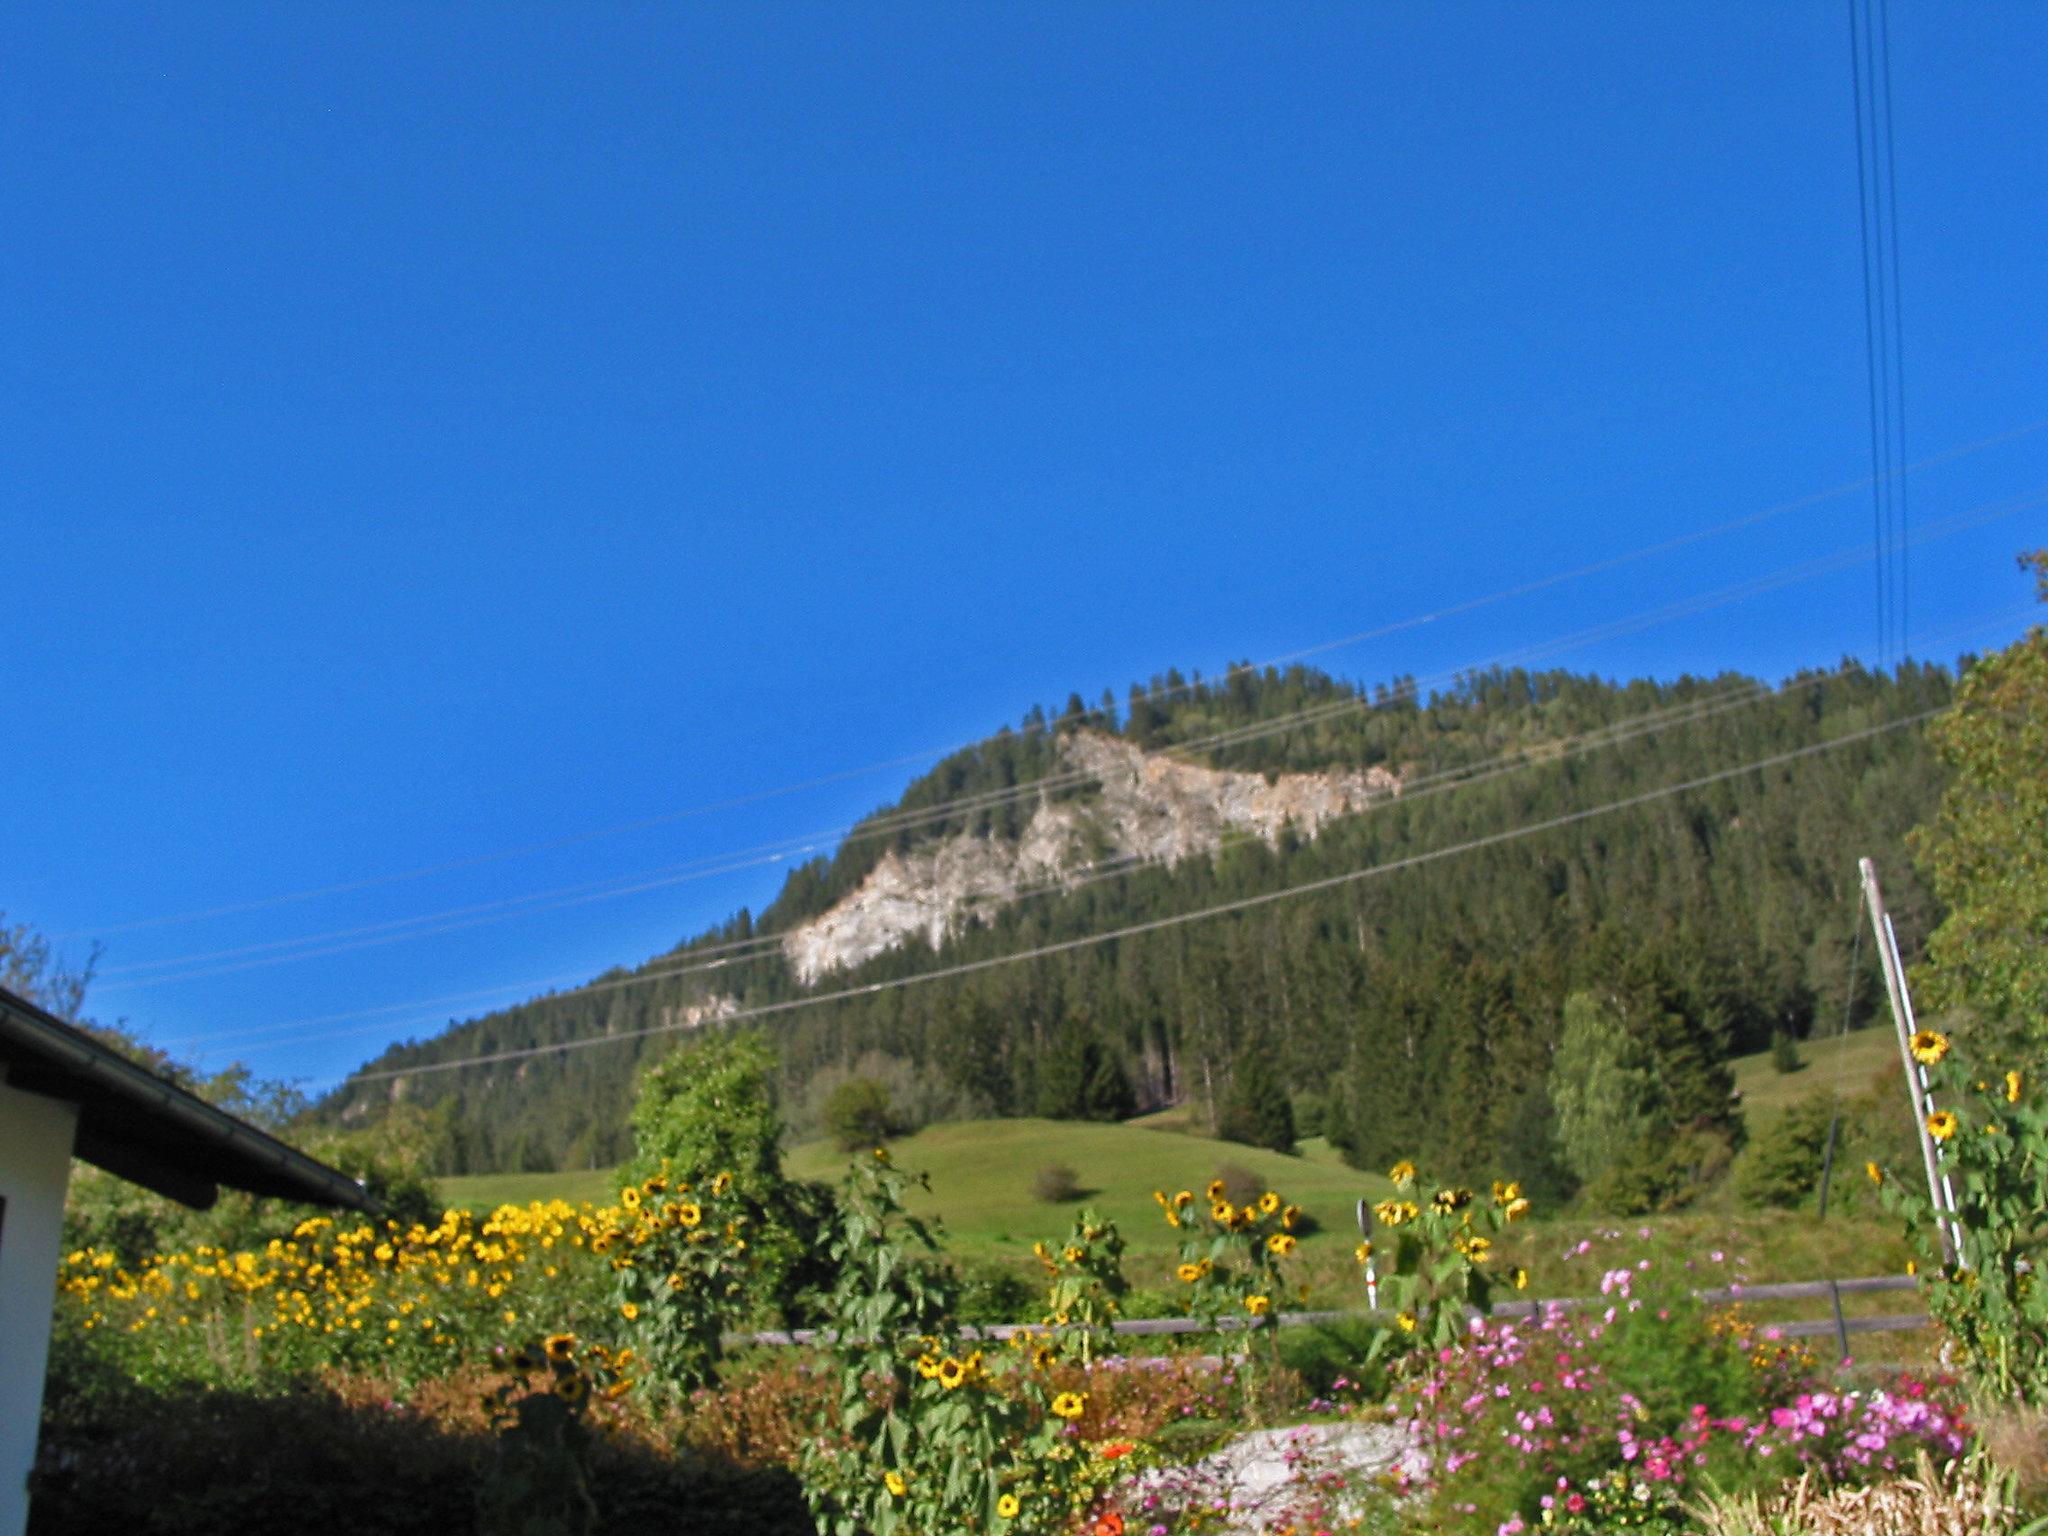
column 1414, row 1012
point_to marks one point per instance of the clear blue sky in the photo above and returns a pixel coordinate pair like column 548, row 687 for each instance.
column 429, row 430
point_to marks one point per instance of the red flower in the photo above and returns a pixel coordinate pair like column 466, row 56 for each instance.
column 1111, row 1524
column 1121, row 1448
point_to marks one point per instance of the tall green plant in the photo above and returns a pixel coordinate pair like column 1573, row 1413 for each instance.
column 933, row 1435
column 1991, row 1129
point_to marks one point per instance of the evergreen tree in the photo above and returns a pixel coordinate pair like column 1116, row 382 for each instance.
column 1257, row 1112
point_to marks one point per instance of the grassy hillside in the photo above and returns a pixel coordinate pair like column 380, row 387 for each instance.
column 981, row 1181
column 1846, row 1063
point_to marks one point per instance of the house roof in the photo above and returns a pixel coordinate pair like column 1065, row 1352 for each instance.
column 150, row 1131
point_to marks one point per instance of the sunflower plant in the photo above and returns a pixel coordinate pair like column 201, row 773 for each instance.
column 1436, row 1257
column 1086, row 1275
column 682, row 1265
column 1232, row 1257
column 1982, row 1283
column 537, row 1483
column 932, row 1434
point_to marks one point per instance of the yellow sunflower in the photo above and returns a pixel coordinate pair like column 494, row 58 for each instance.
column 1402, row 1173
column 1069, row 1405
column 928, row 1366
column 1362, row 1252
column 1215, row 1191
column 1928, row 1046
column 951, row 1373
column 1874, row 1173
column 629, row 1197
column 1189, row 1273
column 1258, row 1306
column 893, row 1481
column 1280, row 1243
column 2013, row 1085
column 1519, row 1277
column 559, row 1346
column 1269, row 1202
column 628, row 1310
column 1223, row 1213
column 688, row 1214
column 721, row 1184
column 1407, row 1320
column 1006, row 1506
column 1941, row 1125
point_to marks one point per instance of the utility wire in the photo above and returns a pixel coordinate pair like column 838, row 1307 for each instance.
column 1151, row 695
column 891, row 823
column 1541, row 753
column 1221, row 909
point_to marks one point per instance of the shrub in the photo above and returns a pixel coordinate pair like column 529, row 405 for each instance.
column 858, row 1114
column 1785, row 1057
column 1056, row 1184
column 1240, row 1185
column 1781, row 1167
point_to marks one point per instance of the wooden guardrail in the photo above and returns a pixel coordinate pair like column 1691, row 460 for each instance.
column 1792, row 1290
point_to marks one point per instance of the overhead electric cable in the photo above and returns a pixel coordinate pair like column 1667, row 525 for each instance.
column 375, row 935
column 1540, row 753
column 1154, row 694
column 1221, row 909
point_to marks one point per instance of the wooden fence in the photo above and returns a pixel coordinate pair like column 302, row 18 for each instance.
column 1796, row 1290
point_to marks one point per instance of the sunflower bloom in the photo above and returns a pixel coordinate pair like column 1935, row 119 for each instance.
column 1928, row 1047
column 688, row 1214
column 1402, row 1173
column 1258, row 1306
column 1520, row 1278
column 1069, row 1405
column 629, row 1310
column 1006, row 1506
column 559, row 1346
column 1362, row 1252
column 951, row 1373
column 893, row 1481
column 1941, row 1125
column 1407, row 1320
column 629, row 1197
column 1215, row 1191
column 1189, row 1273
column 1874, row 1173
column 1280, row 1243
column 1269, row 1202
column 2013, row 1084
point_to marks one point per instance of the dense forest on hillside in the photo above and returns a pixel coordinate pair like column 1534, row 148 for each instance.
column 1413, row 1013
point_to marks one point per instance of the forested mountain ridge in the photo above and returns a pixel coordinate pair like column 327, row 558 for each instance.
column 1416, row 1012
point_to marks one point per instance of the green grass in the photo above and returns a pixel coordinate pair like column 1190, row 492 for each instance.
column 1847, row 1062
column 981, row 1177
column 488, row 1191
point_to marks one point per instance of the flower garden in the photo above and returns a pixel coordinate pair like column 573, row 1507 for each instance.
column 567, row 1368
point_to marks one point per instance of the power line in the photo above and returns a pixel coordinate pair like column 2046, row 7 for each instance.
column 890, row 823
column 1884, row 360
column 1221, row 909
column 1154, row 694
column 1542, row 753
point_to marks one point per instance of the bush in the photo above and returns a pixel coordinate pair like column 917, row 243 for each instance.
column 1240, row 1185
column 859, row 1114
column 1781, row 1168
column 1056, row 1184
column 1785, row 1057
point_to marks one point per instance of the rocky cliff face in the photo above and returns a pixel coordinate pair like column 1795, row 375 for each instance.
column 1150, row 808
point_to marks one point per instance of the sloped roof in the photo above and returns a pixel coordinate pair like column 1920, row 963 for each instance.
column 150, row 1131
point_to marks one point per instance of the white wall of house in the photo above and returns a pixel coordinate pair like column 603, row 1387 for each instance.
column 35, row 1163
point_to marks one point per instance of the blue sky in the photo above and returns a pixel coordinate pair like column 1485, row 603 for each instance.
column 432, row 431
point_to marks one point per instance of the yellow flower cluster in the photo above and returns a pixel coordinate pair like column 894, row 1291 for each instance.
column 345, row 1291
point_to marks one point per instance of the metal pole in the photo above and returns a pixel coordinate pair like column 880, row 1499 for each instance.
column 1372, row 1279
column 1938, row 1189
